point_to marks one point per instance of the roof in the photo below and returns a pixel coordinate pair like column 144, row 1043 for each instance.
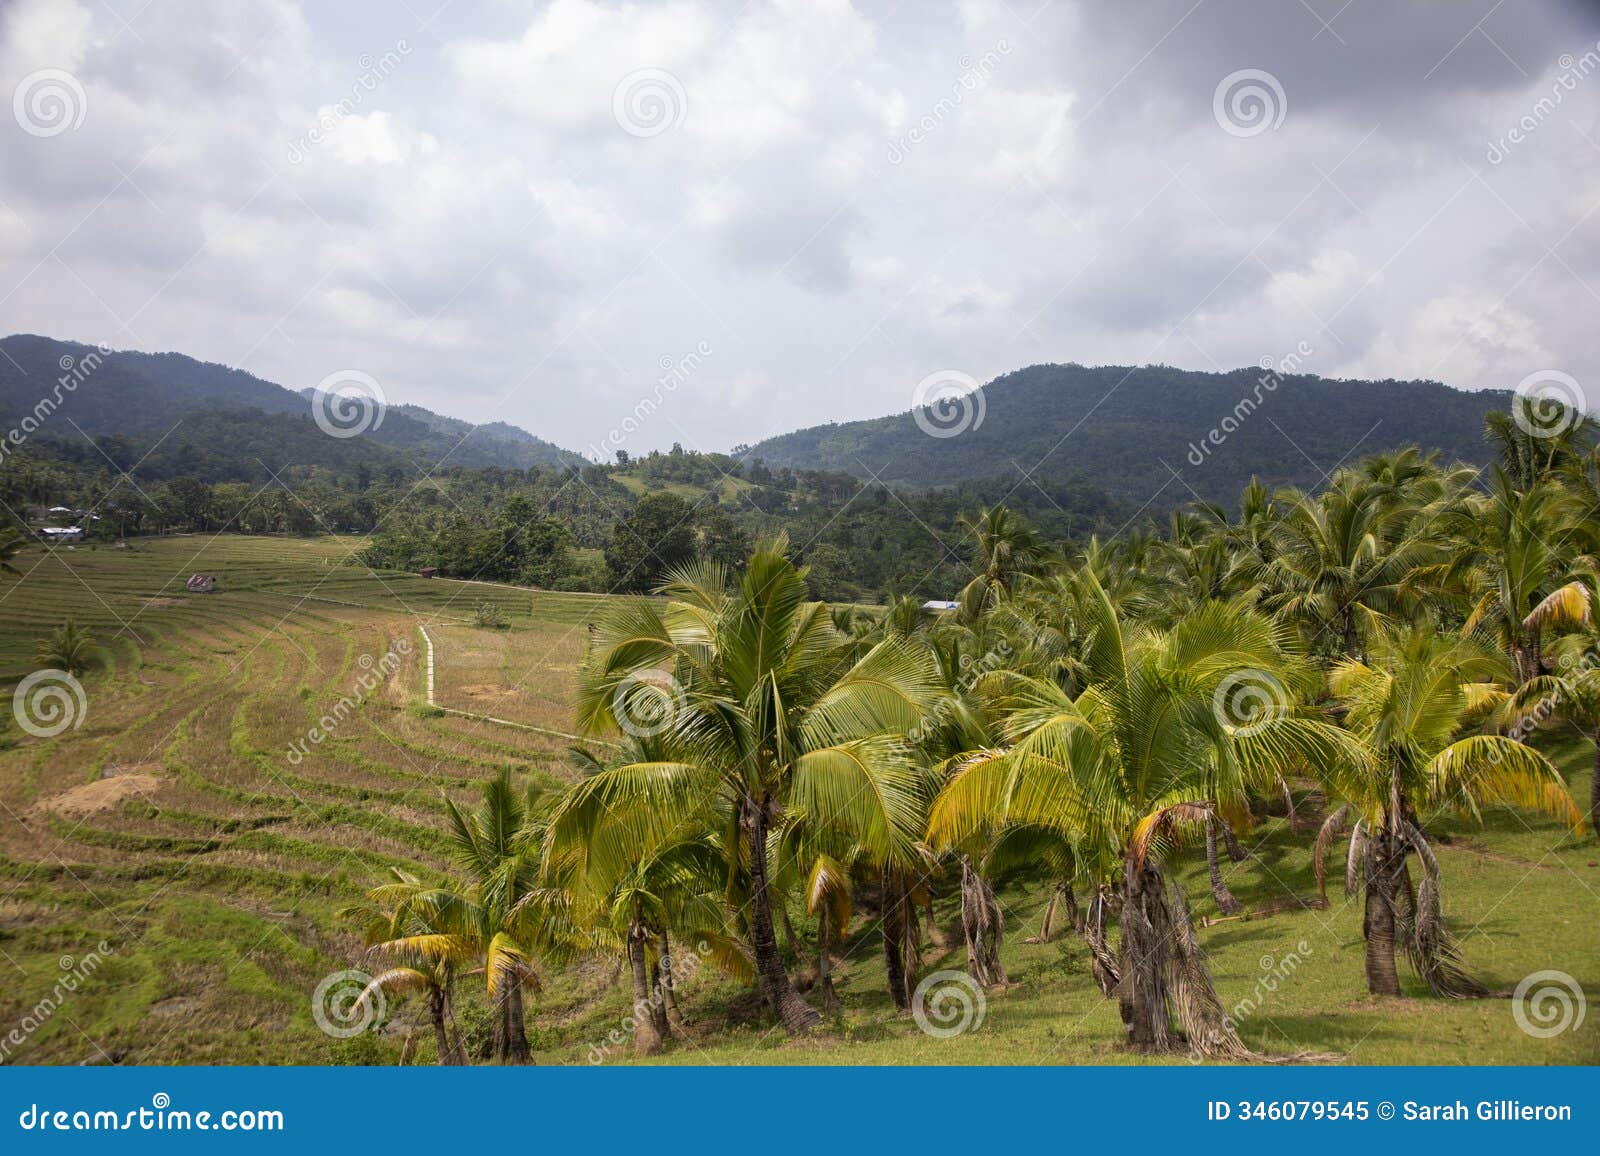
column 941, row 605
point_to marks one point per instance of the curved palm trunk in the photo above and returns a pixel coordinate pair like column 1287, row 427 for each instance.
column 1219, row 887
column 797, row 1016
column 646, row 1033
column 984, row 925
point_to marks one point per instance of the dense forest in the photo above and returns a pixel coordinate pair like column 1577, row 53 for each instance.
column 1124, row 426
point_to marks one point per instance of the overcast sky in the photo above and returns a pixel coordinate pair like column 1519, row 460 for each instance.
column 520, row 211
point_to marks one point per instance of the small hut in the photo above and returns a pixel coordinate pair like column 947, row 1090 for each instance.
column 201, row 584
column 428, row 571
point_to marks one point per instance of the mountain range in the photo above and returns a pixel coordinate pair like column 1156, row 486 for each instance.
column 1149, row 434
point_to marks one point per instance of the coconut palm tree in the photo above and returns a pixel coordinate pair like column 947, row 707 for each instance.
column 70, row 649
column 1408, row 708
column 1001, row 548
column 1510, row 563
column 1572, row 693
column 427, row 960
column 1167, row 724
column 764, row 715
column 11, row 540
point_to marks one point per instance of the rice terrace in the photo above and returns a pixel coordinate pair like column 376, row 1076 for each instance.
column 247, row 764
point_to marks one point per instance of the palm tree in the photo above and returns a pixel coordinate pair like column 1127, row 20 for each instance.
column 1510, row 555
column 765, row 716
column 70, row 649
column 427, row 959
column 1125, row 767
column 1407, row 708
column 1001, row 548
column 11, row 540
column 1339, row 560
column 1574, row 694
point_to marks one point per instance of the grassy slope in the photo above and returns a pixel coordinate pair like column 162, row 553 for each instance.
column 216, row 883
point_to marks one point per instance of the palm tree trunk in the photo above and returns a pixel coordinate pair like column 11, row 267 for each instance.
column 1146, row 936
column 830, row 998
column 669, row 993
column 895, row 917
column 437, row 1004
column 646, row 1036
column 1378, row 920
column 511, row 1035
column 1219, row 887
column 797, row 1016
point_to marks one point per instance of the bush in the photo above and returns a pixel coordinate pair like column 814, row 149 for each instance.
column 490, row 616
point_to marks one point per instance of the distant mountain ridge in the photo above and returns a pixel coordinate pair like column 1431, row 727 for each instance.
column 1129, row 430
column 141, row 396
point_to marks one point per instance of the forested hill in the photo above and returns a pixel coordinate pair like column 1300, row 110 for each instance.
column 142, row 396
column 1116, row 426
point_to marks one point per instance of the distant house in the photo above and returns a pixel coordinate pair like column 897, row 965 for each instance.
column 941, row 607
column 428, row 571
column 201, row 584
column 62, row 533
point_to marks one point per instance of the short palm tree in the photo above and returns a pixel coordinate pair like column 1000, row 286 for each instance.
column 426, row 959
column 1127, row 766
column 70, row 649
column 1408, row 709
column 1001, row 548
column 765, row 715
column 11, row 541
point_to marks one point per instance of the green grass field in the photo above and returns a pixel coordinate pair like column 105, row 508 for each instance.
column 174, row 826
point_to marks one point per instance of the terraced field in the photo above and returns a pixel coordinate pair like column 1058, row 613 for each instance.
column 213, row 805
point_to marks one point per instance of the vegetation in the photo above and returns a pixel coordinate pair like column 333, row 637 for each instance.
column 735, row 791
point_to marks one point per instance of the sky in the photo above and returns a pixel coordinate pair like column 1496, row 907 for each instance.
column 796, row 212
